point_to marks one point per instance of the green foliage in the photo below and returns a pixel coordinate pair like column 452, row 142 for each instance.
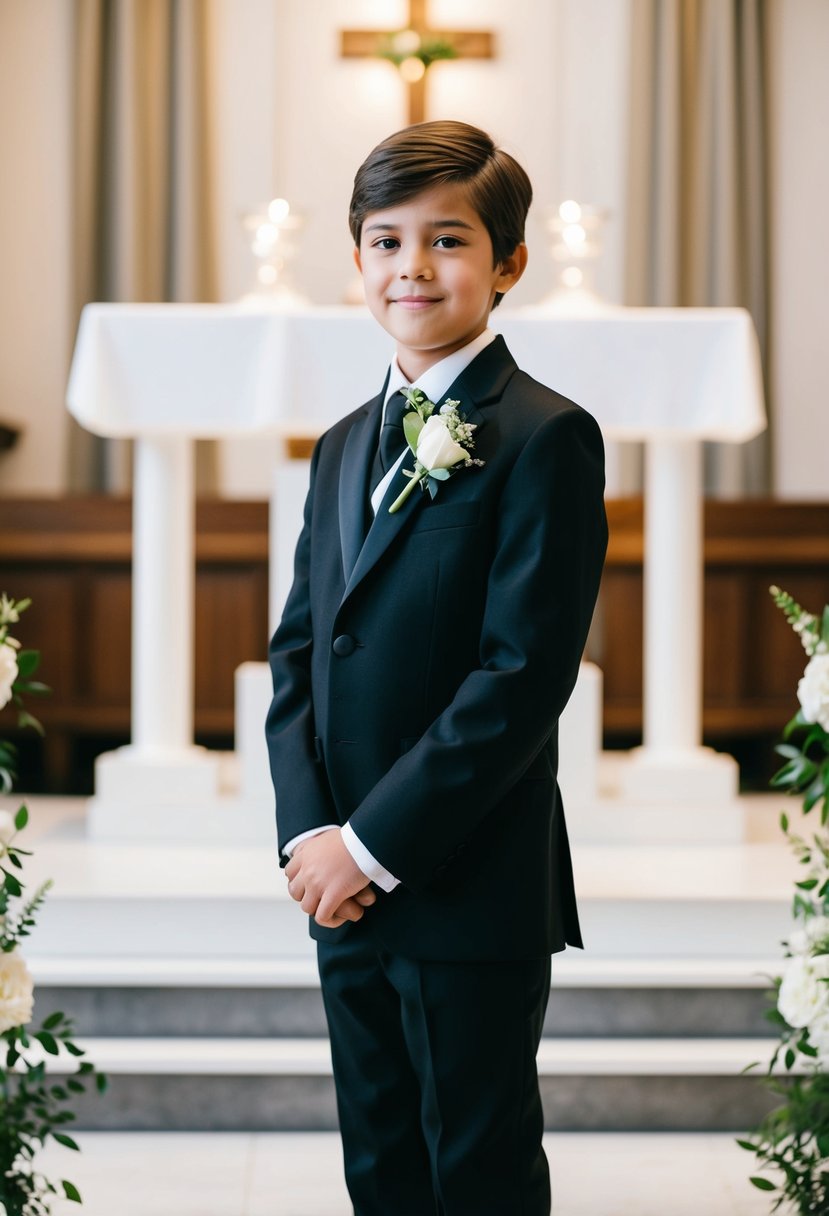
column 793, row 1140
column 28, row 662
column 397, row 49
column 34, row 1107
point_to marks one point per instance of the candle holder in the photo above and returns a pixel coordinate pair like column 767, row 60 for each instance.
column 273, row 231
column 576, row 229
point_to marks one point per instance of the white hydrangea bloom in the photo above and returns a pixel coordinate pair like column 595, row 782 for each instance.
column 813, row 930
column 813, row 690
column 16, row 991
column 819, row 1037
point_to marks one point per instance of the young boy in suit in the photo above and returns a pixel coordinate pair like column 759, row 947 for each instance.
column 425, row 654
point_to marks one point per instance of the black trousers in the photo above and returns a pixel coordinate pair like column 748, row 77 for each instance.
column 437, row 1088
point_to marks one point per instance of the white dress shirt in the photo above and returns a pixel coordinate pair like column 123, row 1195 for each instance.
column 434, row 382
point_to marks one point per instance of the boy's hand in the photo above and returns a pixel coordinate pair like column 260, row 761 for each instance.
column 326, row 881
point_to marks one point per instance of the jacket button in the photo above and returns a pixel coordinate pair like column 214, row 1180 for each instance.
column 344, row 645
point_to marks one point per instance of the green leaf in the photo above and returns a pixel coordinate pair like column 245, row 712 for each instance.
column 10, row 883
column 807, row 884
column 784, row 821
column 21, row 818
column 25, row 719
column 412, row 426
column 27, row 662
column 53, row 1020
column 439, row 474
column 101, row 1082
column 66, row 1141
column 789, row 1057
column 71, row 1191
column 48, row 1041
column 788, row 750
column 746, row 1144
column 763, row 1184
column 824, row 625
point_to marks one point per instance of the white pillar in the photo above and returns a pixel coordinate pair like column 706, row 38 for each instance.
column 159, row 783
column 673, row 578
column 163, row 606
column 672, row 765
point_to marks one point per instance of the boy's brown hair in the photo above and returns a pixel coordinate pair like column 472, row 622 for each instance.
column 436, row 154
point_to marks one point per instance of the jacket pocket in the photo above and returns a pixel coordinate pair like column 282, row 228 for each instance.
column 447, row 515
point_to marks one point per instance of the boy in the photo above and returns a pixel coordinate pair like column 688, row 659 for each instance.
column 420, row 668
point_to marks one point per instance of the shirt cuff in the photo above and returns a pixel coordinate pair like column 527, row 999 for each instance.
column 369, row 865
column 295, row 840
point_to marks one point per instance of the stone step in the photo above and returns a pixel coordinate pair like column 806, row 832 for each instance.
column 122, row 998
column 286, row 1084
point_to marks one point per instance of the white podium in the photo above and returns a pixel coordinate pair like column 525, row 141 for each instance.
column 166, row 374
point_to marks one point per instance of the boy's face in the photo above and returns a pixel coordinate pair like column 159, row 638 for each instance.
column 428, row 274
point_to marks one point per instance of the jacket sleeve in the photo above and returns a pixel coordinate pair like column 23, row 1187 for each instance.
column 303, row 799
column 541, row 592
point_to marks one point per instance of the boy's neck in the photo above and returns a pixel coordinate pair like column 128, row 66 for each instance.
column 414, row 365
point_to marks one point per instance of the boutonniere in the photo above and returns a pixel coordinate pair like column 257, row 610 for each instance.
column 440, row 441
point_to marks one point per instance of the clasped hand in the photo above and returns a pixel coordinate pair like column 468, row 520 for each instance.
column 326, row 881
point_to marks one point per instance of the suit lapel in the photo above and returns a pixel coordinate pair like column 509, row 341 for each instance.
column 481, row 383
column 353, row 490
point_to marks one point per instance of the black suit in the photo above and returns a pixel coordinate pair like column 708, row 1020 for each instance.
column 419, row 674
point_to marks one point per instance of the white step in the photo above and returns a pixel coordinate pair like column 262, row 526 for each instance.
column 312, row 1057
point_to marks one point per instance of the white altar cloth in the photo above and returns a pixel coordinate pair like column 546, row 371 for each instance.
column 166, row 374
column 215, row 370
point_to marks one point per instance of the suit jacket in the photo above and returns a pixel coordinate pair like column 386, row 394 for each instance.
column 420, row 670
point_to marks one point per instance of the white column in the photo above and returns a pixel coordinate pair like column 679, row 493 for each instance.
column 160, row 784
column 672, row 765
column 162, row 601
column 673, row 577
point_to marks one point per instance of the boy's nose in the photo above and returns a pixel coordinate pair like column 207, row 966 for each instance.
column 416, row 267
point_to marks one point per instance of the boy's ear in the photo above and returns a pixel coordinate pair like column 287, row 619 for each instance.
column 356, row 256
column 511, row 269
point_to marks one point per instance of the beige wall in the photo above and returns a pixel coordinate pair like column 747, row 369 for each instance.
column 295, row 119
column 35, row 337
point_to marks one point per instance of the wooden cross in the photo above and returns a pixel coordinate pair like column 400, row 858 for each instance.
column 418, row 37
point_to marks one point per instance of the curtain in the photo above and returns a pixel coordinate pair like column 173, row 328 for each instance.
column 698, row 226
column 143, row 228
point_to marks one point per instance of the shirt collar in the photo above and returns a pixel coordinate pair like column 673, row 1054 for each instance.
column 440, row 376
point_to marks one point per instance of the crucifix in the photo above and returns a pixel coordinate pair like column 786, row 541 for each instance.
column 415, row 48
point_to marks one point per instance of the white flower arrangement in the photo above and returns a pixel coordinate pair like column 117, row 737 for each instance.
column 33, row 1106
column 440, row 443
column 794, row 1138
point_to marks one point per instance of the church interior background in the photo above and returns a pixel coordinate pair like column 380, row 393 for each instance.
column 141, row 142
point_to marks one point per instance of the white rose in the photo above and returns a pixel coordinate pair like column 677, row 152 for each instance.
column 8, row 672
column 813, row 690
column 803, row 995
column 436, row 449
column 16, row 991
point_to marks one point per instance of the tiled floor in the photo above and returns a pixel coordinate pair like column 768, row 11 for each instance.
column 299, row 1175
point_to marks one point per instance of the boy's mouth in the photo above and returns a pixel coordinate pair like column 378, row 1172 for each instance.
column 416, row 302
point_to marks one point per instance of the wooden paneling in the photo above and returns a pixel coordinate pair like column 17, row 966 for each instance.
column 73, row 558
column 752, row 660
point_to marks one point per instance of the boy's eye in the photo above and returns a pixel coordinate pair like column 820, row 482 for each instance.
column 386, row 242
column 447, row 242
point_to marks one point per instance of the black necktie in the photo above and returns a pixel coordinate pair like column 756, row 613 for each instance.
column 392, row 440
